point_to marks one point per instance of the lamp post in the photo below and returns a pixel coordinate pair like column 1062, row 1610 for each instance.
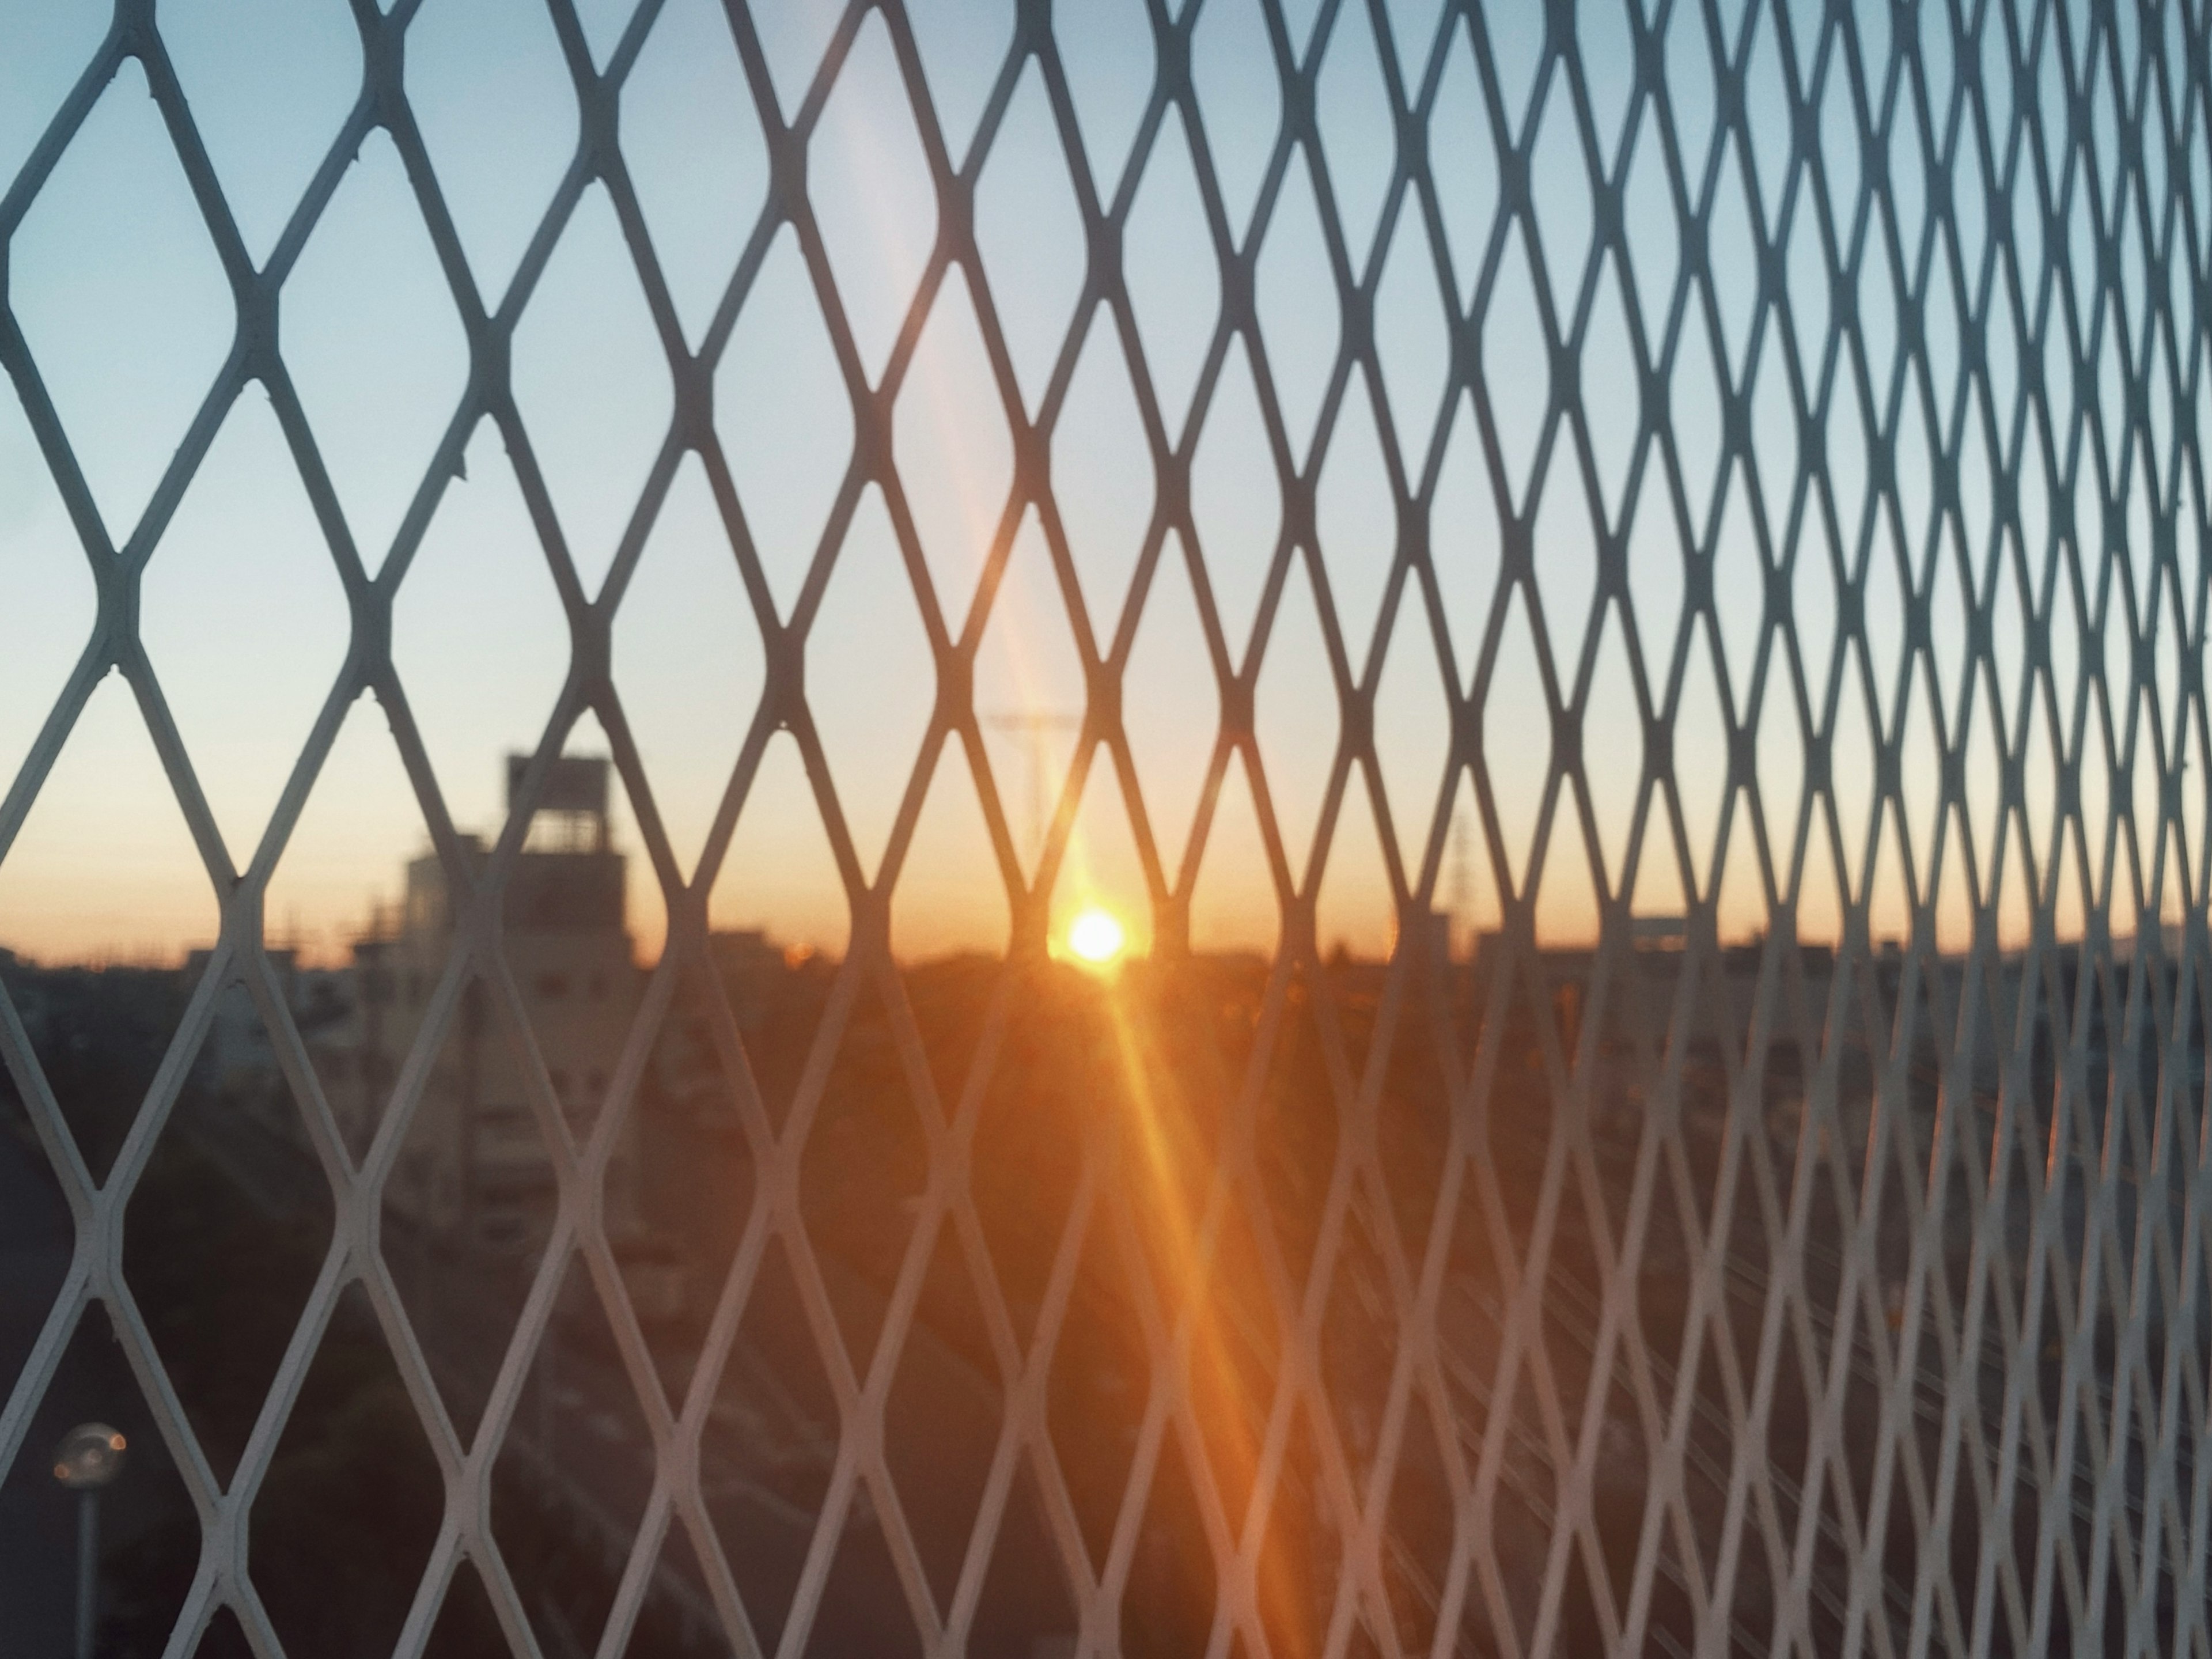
column 89, row 1456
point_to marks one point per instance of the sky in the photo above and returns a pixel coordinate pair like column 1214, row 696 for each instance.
column 114, row 284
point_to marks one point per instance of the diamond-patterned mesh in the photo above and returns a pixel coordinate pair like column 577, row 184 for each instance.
column 1754, row 1203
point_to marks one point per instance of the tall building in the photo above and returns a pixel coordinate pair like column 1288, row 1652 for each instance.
column 473, row 1168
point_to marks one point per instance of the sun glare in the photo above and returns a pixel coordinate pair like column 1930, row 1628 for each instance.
column 1097, row 937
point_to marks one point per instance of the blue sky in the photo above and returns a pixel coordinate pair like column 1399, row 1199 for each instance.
column 127, row 311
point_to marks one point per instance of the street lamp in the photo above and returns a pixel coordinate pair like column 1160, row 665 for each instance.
column 89, row 1456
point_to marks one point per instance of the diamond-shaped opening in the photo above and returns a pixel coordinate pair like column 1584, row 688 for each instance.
column 1566, row 558
column 48, row 619
column 941, row 1417
column 1359, row 1338
column 1169, row 703
column 1356, row 517
column 576, row 909
column 1301, row 1550
column 1516, row 389
column 576, row 1456
column 1296, row 1130
column 956, row 457
column 471, row 1195
column 245, row 620
column 1232, row 68
column 1920, row 779
column 1463, row 535
column 1917, row 459
column 864, row 1607
column 1234, row 1359
column 1095, row 1394
column 870, row 679
column 870, row 186
column 1688, row 83
column 1813, row 602
column 951, row 896
column 479, row 637
column 1559, row 174
column 1701, row 734
column 498, row 157
column 266, row 130
column 1739, row 581
column 1233, row 901
column 1697, row 391
column 779, row 898
column 1296, row 716
column 1029, row 690
column 1107, row 53
column 1167, row 1606
column 679, row 1191
column 1412, row 340
column 1612, row 399
column 1235, row 500
column 766, row 1451
column 344, row 1520
column 592, row 382
column 1421, row 1529
column 227, row 1227
column 1878, row 303
column 1355, row 911
column 1030, row 232
column 104, row 888
column 1739, row 893
column 1781, row 767
column 1459, row 126
column 785, row 418
column 1048, row 1089
column 866, row 1165
column 1414, row 1122
column 1654, row 236
column 1733, row 242
column 1100, row 454
column 116, row 286
column 1612, row 732
column 1516, row 766
column 1025, row 1605
column 687, row 662
column 369, row 278
column 1099, row 869
column 47, row 51
column 334, row 903
column 1358, row 134
column 693, row 145
column 1412, row 729
column 150, row 1532
column 1165, row 239
column 1294, row 294
column 1808, row 286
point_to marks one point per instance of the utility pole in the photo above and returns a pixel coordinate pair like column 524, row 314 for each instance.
column 1036, row 728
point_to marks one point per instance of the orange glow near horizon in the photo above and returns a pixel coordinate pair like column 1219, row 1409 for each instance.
column 1213, row 1380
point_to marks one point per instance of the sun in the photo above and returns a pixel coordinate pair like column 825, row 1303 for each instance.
column 1097, row 937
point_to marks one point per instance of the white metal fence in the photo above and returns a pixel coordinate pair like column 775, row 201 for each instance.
column 1780, row 1229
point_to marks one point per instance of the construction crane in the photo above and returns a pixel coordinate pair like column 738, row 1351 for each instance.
column 1036, row 728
